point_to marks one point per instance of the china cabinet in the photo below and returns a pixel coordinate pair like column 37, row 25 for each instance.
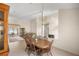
column 4, row 9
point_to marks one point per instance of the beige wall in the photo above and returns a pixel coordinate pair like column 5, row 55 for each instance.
column 33, row 26
column 53, row 24
column 23, row 23
column 52, row 20
column 68, row 30
column 36, row 25
column 39, row 26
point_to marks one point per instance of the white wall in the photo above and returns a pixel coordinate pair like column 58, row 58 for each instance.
column 39, row 26
column 68, row 30
column 33, row 26
column 52, row 20
column 23, row 23
column 36, row 25
column 53, row 24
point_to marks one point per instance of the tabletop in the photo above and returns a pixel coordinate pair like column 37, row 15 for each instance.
column 40, row 43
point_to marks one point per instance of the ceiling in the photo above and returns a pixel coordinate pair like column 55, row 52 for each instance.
column 28, row 10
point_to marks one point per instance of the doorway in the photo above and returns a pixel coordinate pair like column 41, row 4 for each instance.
column 46, row 30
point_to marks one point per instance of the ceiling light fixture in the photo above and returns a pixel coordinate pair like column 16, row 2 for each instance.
column 42, row 14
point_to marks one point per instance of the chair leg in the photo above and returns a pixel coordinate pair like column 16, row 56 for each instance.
column 47, row 54
column 28, row 52
column 39, row 53
column 51, row 53
column 25, row 49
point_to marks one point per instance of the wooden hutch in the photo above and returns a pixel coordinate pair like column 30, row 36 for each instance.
column 4, row 9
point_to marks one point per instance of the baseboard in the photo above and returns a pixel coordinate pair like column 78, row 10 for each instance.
column 67, row 51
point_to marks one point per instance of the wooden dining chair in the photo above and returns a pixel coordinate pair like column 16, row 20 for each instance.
column 29, row 46
column 48, row 50
column 28, row 42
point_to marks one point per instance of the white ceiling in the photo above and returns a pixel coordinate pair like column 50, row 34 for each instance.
column 27, row 10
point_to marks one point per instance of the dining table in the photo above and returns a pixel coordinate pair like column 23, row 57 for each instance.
column 42, row 44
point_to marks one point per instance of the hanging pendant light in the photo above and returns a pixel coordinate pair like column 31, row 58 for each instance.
column 42, row 9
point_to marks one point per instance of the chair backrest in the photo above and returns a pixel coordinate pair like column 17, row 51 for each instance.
column 28, row 38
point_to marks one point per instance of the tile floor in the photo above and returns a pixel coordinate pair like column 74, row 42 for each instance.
column 18, row 49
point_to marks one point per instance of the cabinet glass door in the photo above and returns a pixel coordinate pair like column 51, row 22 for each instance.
column 1, row 16
column 1, row 36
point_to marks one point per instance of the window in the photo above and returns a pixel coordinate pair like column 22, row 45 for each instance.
column 14, row 29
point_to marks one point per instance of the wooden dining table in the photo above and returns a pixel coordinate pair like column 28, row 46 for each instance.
column 41, row 43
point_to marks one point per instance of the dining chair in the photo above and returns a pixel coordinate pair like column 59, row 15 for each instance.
column 29, row 46
column 27, row 38
column 48, row 50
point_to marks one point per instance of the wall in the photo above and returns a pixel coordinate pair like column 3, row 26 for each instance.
column 53, row 24
column 52, row 20
column 39, row 26
column 68, row 30
column 33, row 26
column 36, row 25
column 23, row 23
